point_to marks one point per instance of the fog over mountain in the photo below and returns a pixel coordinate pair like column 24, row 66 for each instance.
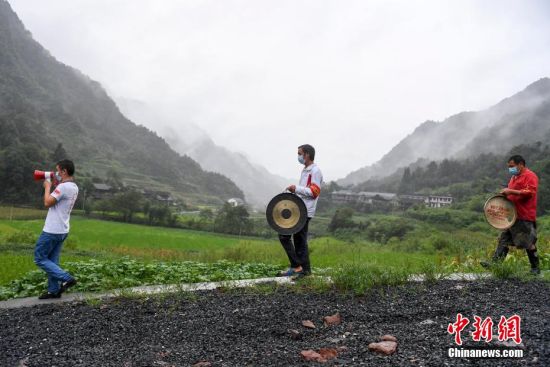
column 520, row 119
column 352, row 78
column 44, row 103
column 257, row 183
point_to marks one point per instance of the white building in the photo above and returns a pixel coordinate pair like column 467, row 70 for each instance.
column 435, row 201
column 236, row 201
column 366, row 197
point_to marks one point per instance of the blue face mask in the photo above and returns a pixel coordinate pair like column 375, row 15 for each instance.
column 301, row 159
column 514, row 171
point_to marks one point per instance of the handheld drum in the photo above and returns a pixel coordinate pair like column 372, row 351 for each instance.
column 500, row 212
column 286, row 213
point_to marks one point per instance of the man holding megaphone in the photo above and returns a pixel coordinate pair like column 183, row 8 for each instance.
column 60, row 202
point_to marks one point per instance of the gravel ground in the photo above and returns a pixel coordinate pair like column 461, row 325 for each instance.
column 250, row 328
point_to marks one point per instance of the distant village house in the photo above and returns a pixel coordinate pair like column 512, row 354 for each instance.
column 365, row 197
column 102, row 191
column 236, row 201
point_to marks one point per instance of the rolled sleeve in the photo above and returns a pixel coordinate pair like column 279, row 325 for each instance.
column 57, row 193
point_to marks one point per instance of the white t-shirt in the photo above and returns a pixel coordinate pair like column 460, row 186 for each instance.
column 57, row 221
column 309, row 188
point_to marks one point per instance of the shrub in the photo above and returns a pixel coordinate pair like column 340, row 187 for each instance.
column 456, row 218
column 359, row 278
column 342, row 218
column 506, row 270
column 20, row 237
column 383, row 229
column 347, row 234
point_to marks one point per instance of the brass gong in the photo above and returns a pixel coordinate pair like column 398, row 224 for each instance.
column 500, row 212
column 286, row 213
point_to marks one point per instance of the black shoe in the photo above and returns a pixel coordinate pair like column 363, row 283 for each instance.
column 535, row 271
column 66, row 285
column 49, row 295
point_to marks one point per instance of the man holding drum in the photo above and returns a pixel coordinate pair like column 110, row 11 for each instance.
column 522, row 191
column 308, row 190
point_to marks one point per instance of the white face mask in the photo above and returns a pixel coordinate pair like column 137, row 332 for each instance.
column 301, row 159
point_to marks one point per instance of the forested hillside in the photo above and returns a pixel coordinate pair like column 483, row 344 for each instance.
column 469, row 179
column 523, row 118
column 258, row 184
column 44, row 103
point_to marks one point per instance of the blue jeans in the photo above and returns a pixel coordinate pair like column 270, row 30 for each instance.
column 46, row 256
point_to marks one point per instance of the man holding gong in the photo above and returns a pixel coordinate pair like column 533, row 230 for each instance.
column 308, row 189
column 522, row 191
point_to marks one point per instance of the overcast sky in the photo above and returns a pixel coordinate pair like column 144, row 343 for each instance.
column 352, row 78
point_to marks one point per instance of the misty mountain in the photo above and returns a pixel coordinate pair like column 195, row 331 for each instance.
column 469, row 181
column 44, row 102
column 520, row 119
column 257, row 183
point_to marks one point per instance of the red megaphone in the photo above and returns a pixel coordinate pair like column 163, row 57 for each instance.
column 42, row 175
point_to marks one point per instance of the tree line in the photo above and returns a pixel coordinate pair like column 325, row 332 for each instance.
column 465, row 179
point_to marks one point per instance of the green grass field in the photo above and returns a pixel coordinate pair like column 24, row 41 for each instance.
column 101, row 239
column 10, row 212
column 108, row 254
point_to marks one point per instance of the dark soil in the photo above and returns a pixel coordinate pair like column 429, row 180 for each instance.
column 250, row 328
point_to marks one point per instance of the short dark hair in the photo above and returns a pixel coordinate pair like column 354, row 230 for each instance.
column 309, row 150
column 66, row 164
column 517, row 159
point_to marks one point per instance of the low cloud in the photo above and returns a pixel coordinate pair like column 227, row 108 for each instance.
column 351, row 78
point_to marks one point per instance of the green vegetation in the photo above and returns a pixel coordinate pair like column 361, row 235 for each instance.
column 469, row 181
column 12, row 212
column 16, row 264
column 144, row 255
column 95, row 275
column 359, row 278
column 110, row 239
column 378, row 244
column 507, row 270
column 233, row 219
column 359, row 251
column 46, row 103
